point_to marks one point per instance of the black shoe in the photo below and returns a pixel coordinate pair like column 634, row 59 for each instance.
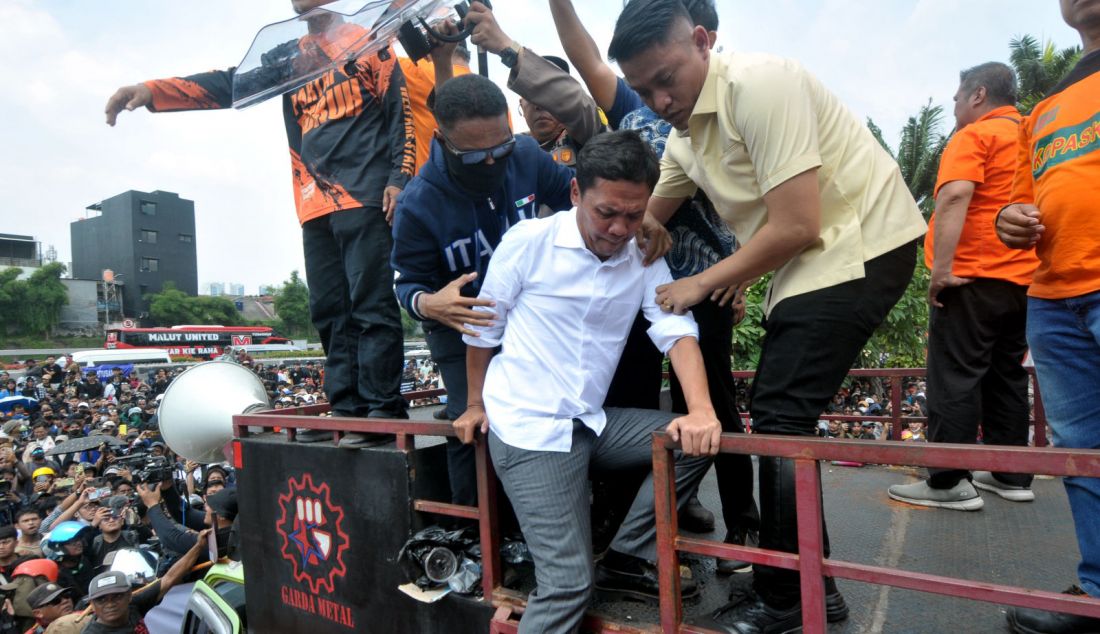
column 836, row 609
column 440, row 414
column 741, row 538
column 695, row 517
column 312, row 435
column 355, row 440
column 626, row 578
column 748, row 614
column 1032, row 621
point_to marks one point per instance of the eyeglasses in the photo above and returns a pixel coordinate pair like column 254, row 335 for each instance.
column 62, row 597
column 473, row 157
column 216, row 483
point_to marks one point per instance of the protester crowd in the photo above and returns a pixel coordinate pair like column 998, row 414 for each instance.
column 64, row 514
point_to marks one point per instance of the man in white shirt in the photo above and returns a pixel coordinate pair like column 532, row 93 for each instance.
column 565, row 291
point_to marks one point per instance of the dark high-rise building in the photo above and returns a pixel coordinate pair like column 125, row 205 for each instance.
column 147, row 239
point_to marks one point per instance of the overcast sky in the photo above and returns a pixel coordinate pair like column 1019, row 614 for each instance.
column 62, row 59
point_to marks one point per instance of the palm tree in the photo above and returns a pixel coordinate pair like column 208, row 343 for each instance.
column 918, row 153
column 1039, row 67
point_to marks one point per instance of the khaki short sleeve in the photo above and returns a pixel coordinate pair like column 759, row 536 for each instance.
column 772, row 106
column 674, row 182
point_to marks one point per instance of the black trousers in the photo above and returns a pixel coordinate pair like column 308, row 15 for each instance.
column 810, row 342
column 735, row 476
column 353, row 307
column 449, row 353
column 975, row 345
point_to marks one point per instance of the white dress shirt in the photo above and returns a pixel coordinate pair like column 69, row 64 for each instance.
column 562, row 318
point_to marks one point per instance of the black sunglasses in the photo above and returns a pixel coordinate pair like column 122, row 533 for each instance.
column 473, row 157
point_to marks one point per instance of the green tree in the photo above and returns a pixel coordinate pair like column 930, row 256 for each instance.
column 918, row 154
column 171, row 306
column 292, row 307
column 748, row 336
column 411, row 327
column 43, row 297
column 216, row 310
column 11, row 293
column 1039, row 67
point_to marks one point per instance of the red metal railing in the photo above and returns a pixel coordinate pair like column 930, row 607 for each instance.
column 805, row 451
column 895, row 376
column 810, row 560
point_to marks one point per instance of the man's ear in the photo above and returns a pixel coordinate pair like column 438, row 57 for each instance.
column 575, row 193
column 978, row 96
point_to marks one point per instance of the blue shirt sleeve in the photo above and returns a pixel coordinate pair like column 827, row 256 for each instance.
column 554, row 183
column 626, row 101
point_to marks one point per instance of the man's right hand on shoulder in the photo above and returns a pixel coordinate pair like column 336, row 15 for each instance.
column 472, row 420
column 1019, row 226
column 127, row 98
column 450, row 308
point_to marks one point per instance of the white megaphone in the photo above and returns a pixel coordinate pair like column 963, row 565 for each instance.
column 196, row 411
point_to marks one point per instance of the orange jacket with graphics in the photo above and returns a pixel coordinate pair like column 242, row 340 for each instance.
column 984, row 153
column 420, row 79
column 350, row 136
column 1059, row 172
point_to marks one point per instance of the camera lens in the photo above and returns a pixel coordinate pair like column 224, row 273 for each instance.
column 440, row 564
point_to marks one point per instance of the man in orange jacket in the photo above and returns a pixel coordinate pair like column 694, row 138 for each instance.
column 351, row 153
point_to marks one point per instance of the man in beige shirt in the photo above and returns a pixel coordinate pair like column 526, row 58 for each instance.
column 814, row 199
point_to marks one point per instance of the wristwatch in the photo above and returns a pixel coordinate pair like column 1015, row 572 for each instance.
column 510, row 56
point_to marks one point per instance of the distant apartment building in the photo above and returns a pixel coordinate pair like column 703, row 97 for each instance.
column 146, row 238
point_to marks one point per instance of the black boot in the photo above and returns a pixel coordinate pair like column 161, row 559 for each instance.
column 1032, row 621
column 695, row 517
column 624, row 577
column 741, row 538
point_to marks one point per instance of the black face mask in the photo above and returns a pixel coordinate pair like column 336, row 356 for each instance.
column 480, row 178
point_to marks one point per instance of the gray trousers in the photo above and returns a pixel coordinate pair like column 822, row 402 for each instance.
column 549, row 492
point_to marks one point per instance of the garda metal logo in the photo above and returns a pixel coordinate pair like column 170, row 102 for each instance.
column 310, row 526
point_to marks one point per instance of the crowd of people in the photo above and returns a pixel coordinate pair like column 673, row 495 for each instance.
column 64, row 514
column 625, row 226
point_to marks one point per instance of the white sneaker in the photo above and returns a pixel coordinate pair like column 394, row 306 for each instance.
column 985, row 481
column 961, row 497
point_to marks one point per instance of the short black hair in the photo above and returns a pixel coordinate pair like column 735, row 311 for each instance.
column 27, row 510
column 468, row 97
column 617, row 156
column 998, row 79
column 644, row 24
column 703, row 13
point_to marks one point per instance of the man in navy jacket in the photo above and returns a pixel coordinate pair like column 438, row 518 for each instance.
column 479, row 181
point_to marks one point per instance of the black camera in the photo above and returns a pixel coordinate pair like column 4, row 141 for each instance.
column 147, row 468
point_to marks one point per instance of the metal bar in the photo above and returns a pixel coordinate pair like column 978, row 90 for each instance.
column 1040, row 414
column 668, row 560
column 964, row 588
column 1047, row 460
column 345, row 424
column 811, row 545
column 443, row 508
column 488, row 524
column 895, row 407
column 707, row 548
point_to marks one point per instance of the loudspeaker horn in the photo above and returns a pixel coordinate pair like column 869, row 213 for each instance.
column 196, row 411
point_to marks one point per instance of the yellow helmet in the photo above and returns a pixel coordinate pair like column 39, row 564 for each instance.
column 41, row 471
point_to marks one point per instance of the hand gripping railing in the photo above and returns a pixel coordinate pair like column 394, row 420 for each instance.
column 810, row 561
